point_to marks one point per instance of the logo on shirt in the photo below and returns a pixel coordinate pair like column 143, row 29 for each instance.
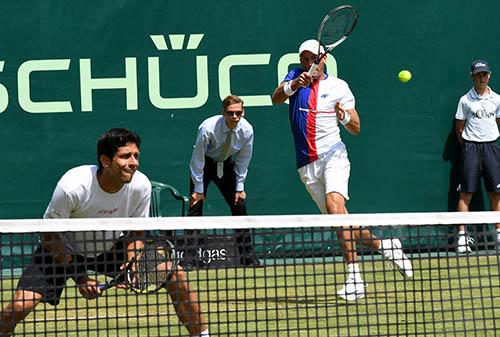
column 480, row 114
column 107, row 212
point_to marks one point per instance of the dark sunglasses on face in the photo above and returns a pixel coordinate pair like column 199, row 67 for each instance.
column 232, row 113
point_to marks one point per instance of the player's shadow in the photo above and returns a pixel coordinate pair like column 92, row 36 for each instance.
column 452, row 153
column 297, row 301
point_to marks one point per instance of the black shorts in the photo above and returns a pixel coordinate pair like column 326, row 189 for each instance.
column 480, row 160
column 43, row 275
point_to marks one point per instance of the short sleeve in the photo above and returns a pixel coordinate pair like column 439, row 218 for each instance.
column 460, row 114
column 61, row 205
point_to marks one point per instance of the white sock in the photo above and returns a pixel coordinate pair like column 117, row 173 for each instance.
column 353, row 272
column 498, row 234
column 204, row 333
column 353, row 268
column 461, row 233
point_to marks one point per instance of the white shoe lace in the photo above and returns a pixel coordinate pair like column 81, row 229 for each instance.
column 465, row 240
column 396, row 258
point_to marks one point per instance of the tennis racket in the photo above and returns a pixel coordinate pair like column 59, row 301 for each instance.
column 149, row 270
column 334, row 29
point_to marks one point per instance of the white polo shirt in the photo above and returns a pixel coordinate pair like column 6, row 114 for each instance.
column 480, row 114
column 79, row 195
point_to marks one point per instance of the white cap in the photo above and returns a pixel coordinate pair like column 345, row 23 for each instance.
column 312, row 46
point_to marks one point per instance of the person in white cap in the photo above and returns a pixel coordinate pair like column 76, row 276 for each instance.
column 318, row 103
column 476, row 126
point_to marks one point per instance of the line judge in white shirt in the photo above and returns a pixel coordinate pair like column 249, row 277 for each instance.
column 221, row 155
column 113, row 188
column 476, row 126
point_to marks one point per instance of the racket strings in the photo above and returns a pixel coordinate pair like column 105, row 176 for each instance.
column 338, row 26
column 147, row 273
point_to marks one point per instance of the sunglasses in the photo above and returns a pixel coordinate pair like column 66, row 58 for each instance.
column 232, row 113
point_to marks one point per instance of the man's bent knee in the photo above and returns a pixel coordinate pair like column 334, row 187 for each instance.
column 25, row 301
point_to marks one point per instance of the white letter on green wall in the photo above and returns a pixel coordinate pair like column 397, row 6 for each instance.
column 129, row 83
column 225, row 77
column 4, row 95
column 178, row 102
column 24, row 86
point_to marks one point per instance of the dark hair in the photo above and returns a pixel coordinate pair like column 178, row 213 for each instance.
column 111, row 140
column 229, row 100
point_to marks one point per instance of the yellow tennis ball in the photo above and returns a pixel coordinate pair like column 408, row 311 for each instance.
column 404, row 76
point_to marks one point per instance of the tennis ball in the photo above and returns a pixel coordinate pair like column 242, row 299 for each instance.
column 404, row 76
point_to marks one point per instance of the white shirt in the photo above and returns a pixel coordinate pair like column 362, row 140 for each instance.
column 79, row 195
column 212, row 134
column 480, row 114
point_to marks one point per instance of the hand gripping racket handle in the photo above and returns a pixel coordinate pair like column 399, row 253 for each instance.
column 117, row 279
column 107, row 285
column 313, row 68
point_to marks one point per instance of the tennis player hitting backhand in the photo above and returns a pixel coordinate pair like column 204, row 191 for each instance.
column 113, row 188
column 318, row 103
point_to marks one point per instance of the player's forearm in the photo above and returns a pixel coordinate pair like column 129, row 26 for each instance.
column 288, row 88
column 354, row 125
column 279, row 95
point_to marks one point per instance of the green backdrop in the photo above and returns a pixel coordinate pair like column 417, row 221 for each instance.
column 57, row 56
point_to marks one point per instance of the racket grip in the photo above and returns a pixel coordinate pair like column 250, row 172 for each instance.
column 313, row 68
column 106, row 285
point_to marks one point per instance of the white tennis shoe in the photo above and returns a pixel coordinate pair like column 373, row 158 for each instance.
column 392, row 250
column 353, row 290
column 463, row 244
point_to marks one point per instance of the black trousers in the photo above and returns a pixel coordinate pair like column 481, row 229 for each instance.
column 227, row 186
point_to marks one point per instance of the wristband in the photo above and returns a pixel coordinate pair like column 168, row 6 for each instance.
column 287, row 89
column 347, row 119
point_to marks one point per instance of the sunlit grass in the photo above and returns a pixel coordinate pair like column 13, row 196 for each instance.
column 449, row 296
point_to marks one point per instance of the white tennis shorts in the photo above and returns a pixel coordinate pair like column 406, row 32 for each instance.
column 329, row 173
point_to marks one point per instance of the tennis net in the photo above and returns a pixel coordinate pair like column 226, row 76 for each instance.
column 255, row 276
